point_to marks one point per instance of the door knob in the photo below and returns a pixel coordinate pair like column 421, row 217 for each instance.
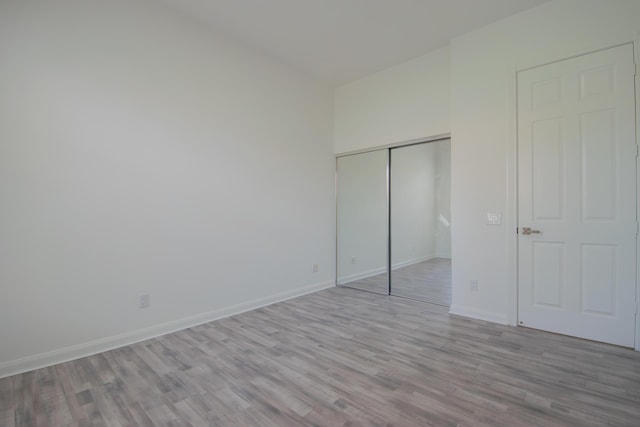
column 527, row 231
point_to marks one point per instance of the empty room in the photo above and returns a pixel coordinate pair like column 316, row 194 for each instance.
column 319, row 213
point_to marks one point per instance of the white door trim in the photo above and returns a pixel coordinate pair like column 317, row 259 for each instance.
column 636, row 50
column 512, row 185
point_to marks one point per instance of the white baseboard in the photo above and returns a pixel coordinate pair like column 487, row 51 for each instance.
column 410, row 262
column 359, row 276
column 54, row 357
column 474, row 313
column 365, row 274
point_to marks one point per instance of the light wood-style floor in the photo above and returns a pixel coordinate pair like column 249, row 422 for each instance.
column 334, row 358
column 428, row 280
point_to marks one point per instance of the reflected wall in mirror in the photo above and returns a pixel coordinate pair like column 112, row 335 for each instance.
column 420, row 221
column 362, row 221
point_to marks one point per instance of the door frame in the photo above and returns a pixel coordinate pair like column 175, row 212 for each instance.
column 512, row 180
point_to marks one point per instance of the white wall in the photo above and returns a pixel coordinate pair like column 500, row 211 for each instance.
column 405, row 102
column 142, row 153
column 483, row 67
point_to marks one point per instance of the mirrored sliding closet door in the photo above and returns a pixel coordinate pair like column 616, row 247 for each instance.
column 362, row 221
column 420, row 221
column 393, row 221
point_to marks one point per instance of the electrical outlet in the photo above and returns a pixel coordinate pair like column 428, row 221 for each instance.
column 145, row 301
column 353, row 260
column 315, row 268
column 473, row 285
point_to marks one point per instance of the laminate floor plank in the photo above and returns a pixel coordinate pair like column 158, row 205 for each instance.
column 338, row 357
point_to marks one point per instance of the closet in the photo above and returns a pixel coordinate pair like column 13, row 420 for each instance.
column 393, row 221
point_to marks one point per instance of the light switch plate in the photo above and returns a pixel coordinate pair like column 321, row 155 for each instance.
column 494, row 218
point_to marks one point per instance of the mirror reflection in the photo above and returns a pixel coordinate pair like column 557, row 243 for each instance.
column 362, row 221
column 420, row 221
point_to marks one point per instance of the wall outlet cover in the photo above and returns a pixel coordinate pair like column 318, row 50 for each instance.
column 145, row 301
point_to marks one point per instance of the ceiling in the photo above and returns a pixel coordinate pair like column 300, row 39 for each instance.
column 339, row 41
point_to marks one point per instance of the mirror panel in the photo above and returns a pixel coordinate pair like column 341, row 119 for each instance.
column 362, row 221
column 420, row 221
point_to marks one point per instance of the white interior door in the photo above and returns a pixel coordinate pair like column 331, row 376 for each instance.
column 577, row 186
